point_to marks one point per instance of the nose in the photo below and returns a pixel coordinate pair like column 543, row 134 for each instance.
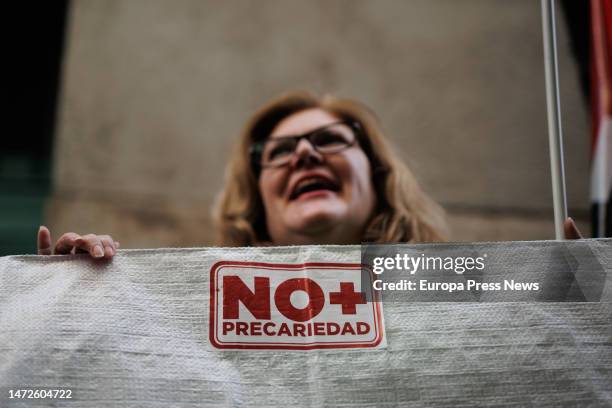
column 305, row 154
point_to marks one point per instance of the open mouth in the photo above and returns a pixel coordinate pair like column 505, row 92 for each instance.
column 311, row 184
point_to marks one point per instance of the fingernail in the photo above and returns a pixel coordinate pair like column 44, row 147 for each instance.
column 98, row 252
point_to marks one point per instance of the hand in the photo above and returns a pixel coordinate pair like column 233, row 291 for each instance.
column 98, row 246
column 571, row 230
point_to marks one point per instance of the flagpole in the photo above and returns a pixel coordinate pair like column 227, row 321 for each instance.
column 555, row 136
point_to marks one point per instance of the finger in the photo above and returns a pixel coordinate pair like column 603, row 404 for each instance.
column 92, row 244
column 571, row 230
column 66, row 242
column 43, row 242
column 114, row 243
column 108, row 244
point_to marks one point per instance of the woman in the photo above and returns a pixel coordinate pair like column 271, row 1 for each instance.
column 310, row 170
column 314, row 170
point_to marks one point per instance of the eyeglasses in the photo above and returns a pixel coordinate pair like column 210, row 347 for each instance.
column 329, row 139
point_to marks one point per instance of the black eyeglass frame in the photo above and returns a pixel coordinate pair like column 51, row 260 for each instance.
column 256, row 149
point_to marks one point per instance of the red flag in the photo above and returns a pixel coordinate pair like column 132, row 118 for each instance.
column 601, row 94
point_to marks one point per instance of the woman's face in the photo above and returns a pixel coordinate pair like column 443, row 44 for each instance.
column 317, row 198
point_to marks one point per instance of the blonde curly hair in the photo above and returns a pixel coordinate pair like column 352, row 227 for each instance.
column 404, row 213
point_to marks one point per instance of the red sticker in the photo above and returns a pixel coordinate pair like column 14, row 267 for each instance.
column 256, row 305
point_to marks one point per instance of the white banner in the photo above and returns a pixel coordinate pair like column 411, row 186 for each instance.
column 290, row 327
